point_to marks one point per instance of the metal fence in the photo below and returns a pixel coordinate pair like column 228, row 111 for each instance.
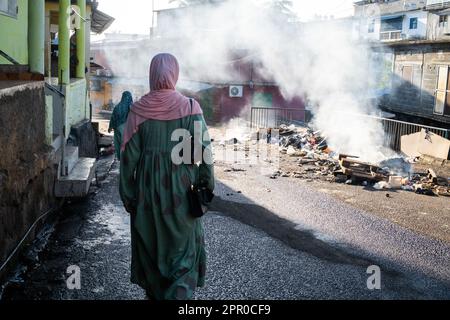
column 395, row 129
column 264, row 117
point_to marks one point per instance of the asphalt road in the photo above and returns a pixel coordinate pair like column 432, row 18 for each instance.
column 330, row 229
column 272, row 241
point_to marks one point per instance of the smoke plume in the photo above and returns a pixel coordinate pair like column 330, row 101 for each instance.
column 321, row 61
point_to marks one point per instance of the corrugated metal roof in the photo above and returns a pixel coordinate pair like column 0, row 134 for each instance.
column 100, row 21
column 445, row 12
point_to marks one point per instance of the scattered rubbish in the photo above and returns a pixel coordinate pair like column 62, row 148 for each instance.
column 340, row 178
column 232, row 141
column 442, row 191
column 358, row 169
column 234, row 170
column 429, row 184
column 315, row 160
column 381, row 185
column 287, row 130
column 408, row 188
column 431, row 175
column 291, row 151
column 395, row 182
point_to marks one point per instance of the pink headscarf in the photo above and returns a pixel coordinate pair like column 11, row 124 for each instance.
column 163, row 102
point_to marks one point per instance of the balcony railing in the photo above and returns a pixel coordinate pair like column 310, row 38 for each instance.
column 390, row 35
column 437, row 4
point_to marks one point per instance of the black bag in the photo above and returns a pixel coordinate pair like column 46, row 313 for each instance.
column 199, row 197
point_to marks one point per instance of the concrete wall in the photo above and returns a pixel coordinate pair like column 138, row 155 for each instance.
column 14, row 34
column 436, row 31
column 422, row 20
column 415, row 79
column 76, row 106
column 26, row 170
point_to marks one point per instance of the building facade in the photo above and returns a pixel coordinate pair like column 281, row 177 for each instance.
column 48, row 141
column 239, row 85
column 415, row 36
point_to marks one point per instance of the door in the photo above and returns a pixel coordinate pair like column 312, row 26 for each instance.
column 447, row 99
column 407, row 74
column 442, row 89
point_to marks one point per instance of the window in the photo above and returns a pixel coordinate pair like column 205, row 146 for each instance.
column 9, row 7
column 391, row 28
column 413, row 23
column 394, row 24
column 263, row 99
column 443, row 20
column 371, row 26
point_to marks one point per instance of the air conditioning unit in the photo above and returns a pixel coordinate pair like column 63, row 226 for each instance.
column 236, row 91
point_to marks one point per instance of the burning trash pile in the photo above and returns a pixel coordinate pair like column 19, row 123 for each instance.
column 395, row 173
column 428, row 184
column 316, row 161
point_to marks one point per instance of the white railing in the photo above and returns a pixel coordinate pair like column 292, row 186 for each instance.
column 390, row 35
column 437, row 4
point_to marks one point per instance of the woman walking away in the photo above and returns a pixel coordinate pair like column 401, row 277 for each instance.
column 168, row 248
column 118, row 120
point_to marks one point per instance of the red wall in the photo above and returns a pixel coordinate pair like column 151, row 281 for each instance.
column 226, row 108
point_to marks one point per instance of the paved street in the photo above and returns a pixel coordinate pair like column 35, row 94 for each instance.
column 253, row 253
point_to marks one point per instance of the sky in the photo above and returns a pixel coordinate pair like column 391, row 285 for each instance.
column 136, row 15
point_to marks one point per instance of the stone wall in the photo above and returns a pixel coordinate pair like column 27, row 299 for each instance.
column 26, row 163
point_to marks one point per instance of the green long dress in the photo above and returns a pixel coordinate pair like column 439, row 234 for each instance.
column 118, row 134
column 168, row 247
column 118, row 120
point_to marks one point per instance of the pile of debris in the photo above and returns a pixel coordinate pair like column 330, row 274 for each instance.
column 315, row 161
column 428, row 184
column 388, row 178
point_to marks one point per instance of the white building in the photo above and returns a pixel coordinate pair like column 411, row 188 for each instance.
column 392, row 20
